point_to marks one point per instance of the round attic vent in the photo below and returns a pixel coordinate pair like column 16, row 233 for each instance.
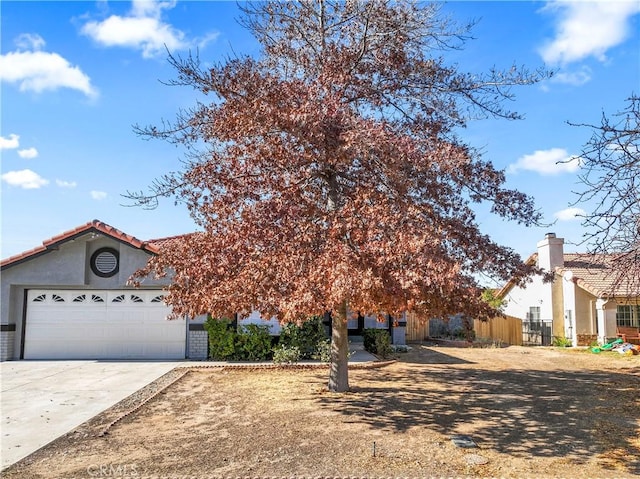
column 104, row 262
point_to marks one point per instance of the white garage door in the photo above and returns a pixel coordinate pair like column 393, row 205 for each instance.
column 84, row 324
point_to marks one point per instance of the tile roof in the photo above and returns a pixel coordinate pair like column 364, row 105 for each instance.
column 596, row 274
column 94, row 226
column 162, row 243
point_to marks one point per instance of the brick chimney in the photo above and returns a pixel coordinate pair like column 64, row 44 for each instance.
column 550, row 252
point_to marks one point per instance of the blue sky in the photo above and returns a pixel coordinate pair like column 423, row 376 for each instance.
column 75, row 76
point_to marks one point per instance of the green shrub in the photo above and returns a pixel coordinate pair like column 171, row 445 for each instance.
column 562, row 342
column 304, row 337
column 383, row 345
column 253, row 343
column 377, row 341
column 286, row 354
column 221, row 339
column 323, row 351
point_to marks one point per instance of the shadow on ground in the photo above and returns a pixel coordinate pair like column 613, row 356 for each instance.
column 525, row 413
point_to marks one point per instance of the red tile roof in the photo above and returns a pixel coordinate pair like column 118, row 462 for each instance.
column 596, row 274
column 593, row 273
column 162, row 243
column 92, row 226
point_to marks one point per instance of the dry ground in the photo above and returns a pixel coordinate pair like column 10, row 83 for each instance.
column 532, row 412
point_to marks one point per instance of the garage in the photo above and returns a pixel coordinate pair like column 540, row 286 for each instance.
column 100, row 324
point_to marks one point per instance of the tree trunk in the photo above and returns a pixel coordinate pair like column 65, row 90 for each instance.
column 339, row 372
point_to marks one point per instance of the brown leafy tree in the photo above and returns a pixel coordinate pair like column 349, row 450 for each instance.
column 610, row 174
column 325, row 174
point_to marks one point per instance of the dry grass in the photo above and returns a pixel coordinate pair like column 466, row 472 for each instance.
column 532, row 412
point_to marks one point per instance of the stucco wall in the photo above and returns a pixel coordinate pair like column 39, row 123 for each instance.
column 536, row 293
column 558, row 326
column 610, row 309
column 585, row 312
column 66, row 267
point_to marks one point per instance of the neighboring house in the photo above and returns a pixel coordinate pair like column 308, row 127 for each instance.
column 581, row 304
column 69, row 299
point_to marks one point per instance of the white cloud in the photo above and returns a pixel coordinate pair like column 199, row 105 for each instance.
column 143, row 29
column 28, row 153
column 575, row 78
column 150, row 8
column 40, row 71
column 547, row 162
column 9, row 143
column 98, row 195
column 29, row 41
column 587, row 28
column 569, row 214
column 66, row 184
column 27, row 179
column 202, row 42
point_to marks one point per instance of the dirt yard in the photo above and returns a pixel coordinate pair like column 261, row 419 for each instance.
column 533, row 412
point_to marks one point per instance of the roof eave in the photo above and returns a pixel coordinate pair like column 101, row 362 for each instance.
column 94, row 226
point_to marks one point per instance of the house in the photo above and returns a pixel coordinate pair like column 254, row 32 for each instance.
column 69, row 299
column 582, row 303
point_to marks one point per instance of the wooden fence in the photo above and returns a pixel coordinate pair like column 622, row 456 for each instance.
column 506, row 329
column 417, row 330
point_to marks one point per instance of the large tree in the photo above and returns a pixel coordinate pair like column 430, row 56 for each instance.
column 610, row 176
column 325, row 174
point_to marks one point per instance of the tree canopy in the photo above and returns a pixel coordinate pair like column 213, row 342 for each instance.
column 610, row 176
column 326, row 174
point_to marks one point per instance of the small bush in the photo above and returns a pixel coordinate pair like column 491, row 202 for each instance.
column 562, row 342
column 383, row 345
column 305, row 337
column 323, row 351
column 377, row 341
column 455, row 327
column 369, row 339
column 253, row 343
column 438, row 328
column 221, row 339
column 286, row 354
column 400, row 348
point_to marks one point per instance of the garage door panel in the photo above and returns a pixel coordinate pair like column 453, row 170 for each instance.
column 79, row 324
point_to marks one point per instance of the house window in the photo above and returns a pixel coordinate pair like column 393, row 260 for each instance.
column 534, row 318
column 534, row 313
column 628, row 315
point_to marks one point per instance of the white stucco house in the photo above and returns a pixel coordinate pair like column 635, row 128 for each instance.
column 582, row 303
column 69, row 299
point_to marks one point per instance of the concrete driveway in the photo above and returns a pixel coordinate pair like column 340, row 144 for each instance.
column 42, row 400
